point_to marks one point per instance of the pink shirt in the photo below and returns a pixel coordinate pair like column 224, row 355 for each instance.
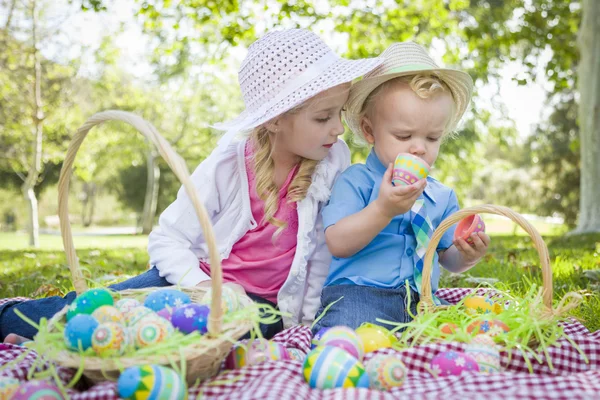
column 256, row 262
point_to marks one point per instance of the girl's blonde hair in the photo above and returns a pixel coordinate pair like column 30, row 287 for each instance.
column 424, row 85
column 264, row 170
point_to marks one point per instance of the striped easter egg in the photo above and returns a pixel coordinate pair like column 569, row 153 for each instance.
column 408, row 169
column 328, row 367
column 346, row 339
column 151, row 382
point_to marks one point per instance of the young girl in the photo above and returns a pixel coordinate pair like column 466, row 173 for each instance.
column 407, row 105
column 263, row 192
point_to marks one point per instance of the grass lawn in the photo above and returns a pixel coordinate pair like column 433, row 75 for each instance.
column 511, row 260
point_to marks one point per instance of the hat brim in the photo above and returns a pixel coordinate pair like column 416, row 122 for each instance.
column 460, row 84
column 341, row 71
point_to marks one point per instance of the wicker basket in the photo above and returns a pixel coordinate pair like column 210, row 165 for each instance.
column 426, row 300
column 203, row 358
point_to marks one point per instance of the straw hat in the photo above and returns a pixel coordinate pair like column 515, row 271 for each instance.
column 402, row 59
column 282, row 70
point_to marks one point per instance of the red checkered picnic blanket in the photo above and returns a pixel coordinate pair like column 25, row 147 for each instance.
column 570, row 379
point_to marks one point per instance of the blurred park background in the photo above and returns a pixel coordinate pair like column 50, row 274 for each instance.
column 531, row 140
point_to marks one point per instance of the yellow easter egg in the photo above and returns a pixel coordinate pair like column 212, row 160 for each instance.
column 375, row 337
column 481, row 305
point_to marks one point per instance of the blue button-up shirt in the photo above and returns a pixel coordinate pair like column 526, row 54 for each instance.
column 386, row 262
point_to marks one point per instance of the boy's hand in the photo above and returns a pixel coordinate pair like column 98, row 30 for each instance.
column 397, row 200
column 471, row 254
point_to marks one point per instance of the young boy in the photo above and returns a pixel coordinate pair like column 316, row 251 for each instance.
column 407, row 105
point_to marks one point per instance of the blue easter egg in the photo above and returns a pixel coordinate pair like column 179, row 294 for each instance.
column 151, row 382
column 80, row 329
column 89, row 301
column 190, row 318
column 160, row 299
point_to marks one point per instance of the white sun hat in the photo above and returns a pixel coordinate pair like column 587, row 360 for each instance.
column 400, row 59
column 282, row 70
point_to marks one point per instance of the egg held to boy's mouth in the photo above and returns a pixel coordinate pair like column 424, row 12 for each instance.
column 409, row 169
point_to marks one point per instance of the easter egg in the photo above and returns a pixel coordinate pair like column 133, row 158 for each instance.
column 408, row 169
column 166, row 313
column 108, row 314
column 37, row 390
column 256, row 352
column 385, row 372
column 296, row 354
column 89, row 301
column 151, row 331
column 450, row 363
column 346, row 339
column 492, row 328
column 481, row 305
column 191, row 317
column 230, row 299
column 448, row 328
column 151, row 382
column 328, row 367
column 160, row 299
column 110, row 338
column 135, row 315
column 318, row 336
column 483, row 350
column 80, row 329
column 126, row 305
column 375, row 337
column 8, row 386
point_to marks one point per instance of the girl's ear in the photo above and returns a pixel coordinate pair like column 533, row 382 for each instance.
column 273, row 125
column 367, row 129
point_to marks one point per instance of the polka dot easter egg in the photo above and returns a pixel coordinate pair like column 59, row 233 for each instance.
column 126, row 305
column 152, row 331
column 37, row 390
column 481, row 305
column 386, row 372
column 346, row 339
column 483, row 350
column 230, row 299
column 79, row 332
column 108, row 314
column 328, row 367
column 160, row 299
column 151, row 382
column 408, row 169
column 89, row 301
column 492, row 328
column 255, row 352
column 318, row 336
column 8, row 386
column 110, row 338
column 191, row 317
column 450, row 363
column 375, row 337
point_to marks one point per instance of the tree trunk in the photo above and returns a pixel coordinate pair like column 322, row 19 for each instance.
column 589, row 117
column 36, row 157
column 152, row 185
column 88, row 203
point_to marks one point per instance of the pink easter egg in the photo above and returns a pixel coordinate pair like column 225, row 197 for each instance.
column 39, row 390
column 468, row 226
column 450, row 363
column 346, row 339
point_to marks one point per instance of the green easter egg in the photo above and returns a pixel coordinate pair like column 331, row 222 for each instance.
column 88, row 302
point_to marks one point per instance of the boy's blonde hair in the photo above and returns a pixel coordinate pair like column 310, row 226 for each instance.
column 424, row 85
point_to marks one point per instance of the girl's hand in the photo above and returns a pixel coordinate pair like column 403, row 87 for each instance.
column 471, row 254
column 397, row 200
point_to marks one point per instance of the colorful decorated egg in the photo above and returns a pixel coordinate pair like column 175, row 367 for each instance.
column 296, row 354
column 230, row 299
column 126, row 305
column 483, row 350
column 166, row 313
column 375, row 337
column 151, row 382
column 135, row 315
column 255, row 352
column 89, row 301
column 8, row 386
column 318, row 336
column 108, row 314
column 468, row 226
column 110, row 338
column 162, row 298
column 385, row 372
column 448, row 328
column 481, row 305
column 450, row 363
column 37, row 390
column 151, row 331
column 191, row 317
column 346, row 339
column 80, row 329
column 492, row 328
column 408, row 169
column 328, row 367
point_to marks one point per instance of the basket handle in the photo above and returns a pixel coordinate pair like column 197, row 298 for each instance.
column 538, row 242
column 179, row 168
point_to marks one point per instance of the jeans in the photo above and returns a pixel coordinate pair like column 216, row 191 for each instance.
column 36, row 309
column 364, row 304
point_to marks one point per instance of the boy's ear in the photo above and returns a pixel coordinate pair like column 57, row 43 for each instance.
column 367, row 129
